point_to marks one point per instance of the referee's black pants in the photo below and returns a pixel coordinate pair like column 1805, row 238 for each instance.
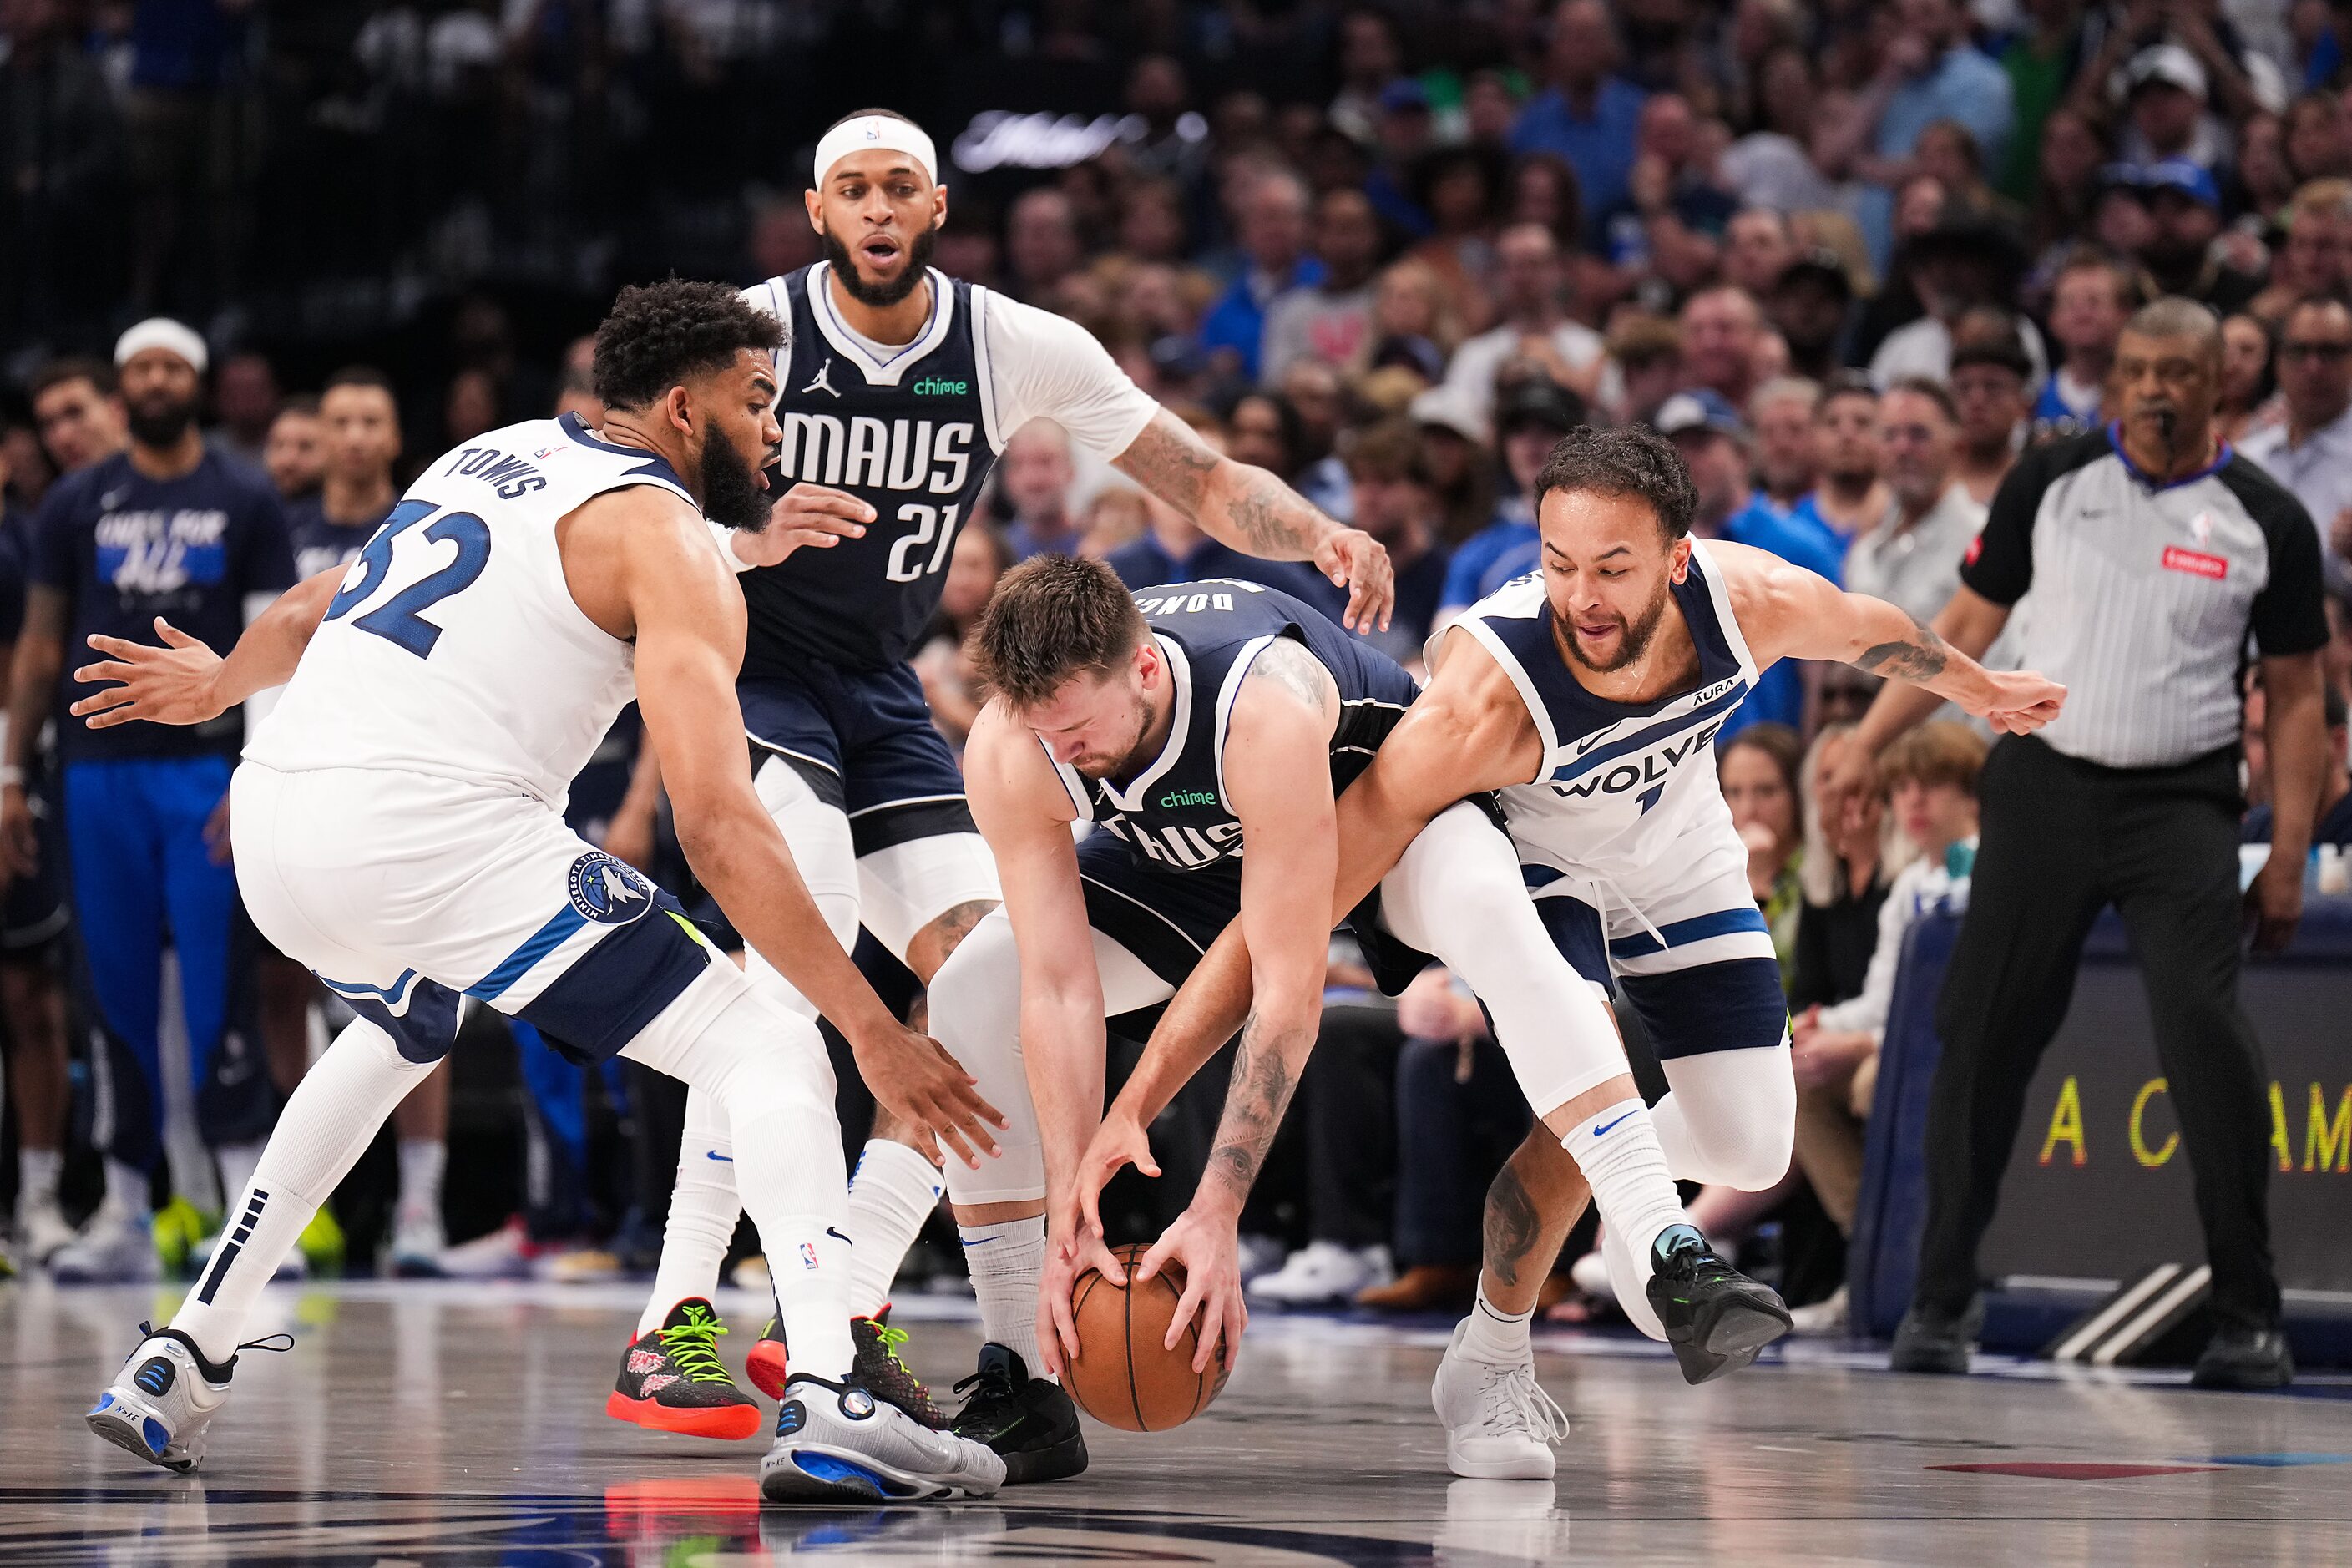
column 2061, row 839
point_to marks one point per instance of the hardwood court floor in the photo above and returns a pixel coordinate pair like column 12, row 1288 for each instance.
column 435, row 1424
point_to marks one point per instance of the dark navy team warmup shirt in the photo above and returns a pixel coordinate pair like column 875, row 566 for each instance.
column 12, row 576
column 1173, row 812
column 124, row 549
column 916, row 450
column 321, row 544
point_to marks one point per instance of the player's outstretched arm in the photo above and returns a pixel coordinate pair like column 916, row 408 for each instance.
column 1248, row 508
column 185, row 683
column 641, row 558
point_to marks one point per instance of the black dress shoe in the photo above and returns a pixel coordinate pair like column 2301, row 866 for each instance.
column 2240, row 1357
column 1931, row 1340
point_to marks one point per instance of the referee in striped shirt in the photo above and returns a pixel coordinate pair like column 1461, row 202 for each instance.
column 2153, row 551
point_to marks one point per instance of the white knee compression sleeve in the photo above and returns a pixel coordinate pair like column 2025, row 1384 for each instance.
column 818, row 835
column 328, row 1123
column 766, row 1073
column 1458, row 894
column 1731, row 1117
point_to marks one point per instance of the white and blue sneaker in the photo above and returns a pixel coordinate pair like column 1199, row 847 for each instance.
column 160, row 1404
column 836, row 1442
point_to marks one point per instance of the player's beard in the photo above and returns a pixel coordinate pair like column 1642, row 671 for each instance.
column 881, row 296
column 732, row 496
column 1127, row 766
column 1632, row 638
column 160, row 420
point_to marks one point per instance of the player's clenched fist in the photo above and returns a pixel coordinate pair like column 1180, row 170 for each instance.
column 909, row 1072
column 806, row 514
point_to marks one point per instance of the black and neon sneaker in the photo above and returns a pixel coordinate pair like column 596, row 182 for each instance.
column 1029, row 1421
column 877, row 1369
column 1716, row 1317
column 673, row 1381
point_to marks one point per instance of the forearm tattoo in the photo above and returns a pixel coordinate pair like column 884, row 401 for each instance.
column 1274, row 520
column 1513, row 1227
column 1254, row 1101
column 1170, row 462
column 1921, row 657
column 1273, row 517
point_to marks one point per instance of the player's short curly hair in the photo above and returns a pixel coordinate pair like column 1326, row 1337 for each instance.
column 1052, row 617
column 660, row 334
column 1623, row 460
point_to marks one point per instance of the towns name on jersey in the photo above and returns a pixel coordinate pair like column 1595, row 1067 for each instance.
column 862, row 451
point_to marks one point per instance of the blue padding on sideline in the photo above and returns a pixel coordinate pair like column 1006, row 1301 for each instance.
column 1883, row 1256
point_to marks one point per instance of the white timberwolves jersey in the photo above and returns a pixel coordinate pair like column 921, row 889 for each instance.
column 454, row 646
column 1621, row 784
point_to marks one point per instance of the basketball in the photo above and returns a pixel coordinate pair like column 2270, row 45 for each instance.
column 1121, row 1376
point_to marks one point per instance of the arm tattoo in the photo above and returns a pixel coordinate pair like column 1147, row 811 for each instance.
column 1273, row 517
column 1919, row 657
column 1513, row 1226
column 1289, row 665
column 1170, row 462
column 1255, row 1102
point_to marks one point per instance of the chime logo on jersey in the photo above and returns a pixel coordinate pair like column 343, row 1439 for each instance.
column 607, row 890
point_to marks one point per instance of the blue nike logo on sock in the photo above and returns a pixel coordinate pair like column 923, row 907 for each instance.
column 715, row 1155
column 1600, row 1130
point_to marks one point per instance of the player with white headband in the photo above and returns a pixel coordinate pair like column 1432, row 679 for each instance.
column 899, row 388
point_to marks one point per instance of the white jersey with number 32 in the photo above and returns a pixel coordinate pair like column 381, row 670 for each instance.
column 454, row 646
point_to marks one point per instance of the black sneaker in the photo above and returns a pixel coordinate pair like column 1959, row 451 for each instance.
column 1932, row 1340
column 2243, row 1358
column 1716, row 1317
column 1029, row 1421
column 672, row 1380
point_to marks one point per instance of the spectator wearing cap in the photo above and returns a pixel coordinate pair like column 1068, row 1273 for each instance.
column 1461, row 465
column 2314, row 259
column 1988, row 393
column 1852, row 496
column 170, row 527
column 2311, row 453
column 1960, row 264
column 2163, row 99
column 1273, row 223
column 1530, row 286
column 1329, row 320
column 1529, row 424
column 2091, row 297
column 1586, row 113
column 1912, row 558
column 1716, row 444
column 1812, row 307
column 2184, row 209
column 1397, row 503
column 2333, row 824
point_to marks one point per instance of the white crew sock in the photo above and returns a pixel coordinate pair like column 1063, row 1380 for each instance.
column 1008, row 1261
column 703, row 1208
column 1496, row 1337
column 422, row 1162
column 237, row 1162
column 127, row 1189
column 891, row 1194
column 38, row 1172
column 1617, row 1150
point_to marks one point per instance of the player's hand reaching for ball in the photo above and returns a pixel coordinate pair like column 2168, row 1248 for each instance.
column 913, row 1075
column 1071, row 1249
column 2021, row 701
column 805, row 515
column 175, row 684
column 1356, row 562
column 1120, row 1140
column 1209, row 1248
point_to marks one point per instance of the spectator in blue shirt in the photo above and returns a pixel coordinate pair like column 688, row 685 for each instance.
column 1588, row 114
column 1928, row 71
column 1533, row 417
column 1709, row 433
column 1274, row 241
column 170, row 527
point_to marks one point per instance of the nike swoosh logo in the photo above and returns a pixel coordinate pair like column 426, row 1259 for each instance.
column 1598, row 1131
column 838, row 1236
column 715, row 1155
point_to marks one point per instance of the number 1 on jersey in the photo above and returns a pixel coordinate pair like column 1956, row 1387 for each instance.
column 397, row 620
column 930, row 528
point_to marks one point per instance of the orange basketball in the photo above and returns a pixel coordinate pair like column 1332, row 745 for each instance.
column 1121, row 1376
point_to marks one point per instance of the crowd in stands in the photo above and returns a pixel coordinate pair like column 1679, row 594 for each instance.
column 1852, row 260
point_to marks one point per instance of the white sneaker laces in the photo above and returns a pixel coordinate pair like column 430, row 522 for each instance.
column 1513, row 1402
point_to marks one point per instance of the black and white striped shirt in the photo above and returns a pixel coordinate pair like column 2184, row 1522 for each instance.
column 2144, row 593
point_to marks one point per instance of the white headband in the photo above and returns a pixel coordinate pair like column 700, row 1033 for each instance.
column 869, row 131
column 161, row 332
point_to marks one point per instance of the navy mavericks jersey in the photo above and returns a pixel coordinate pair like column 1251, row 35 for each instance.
column 912, row 438
column 1174, row 812
column 319, row 542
